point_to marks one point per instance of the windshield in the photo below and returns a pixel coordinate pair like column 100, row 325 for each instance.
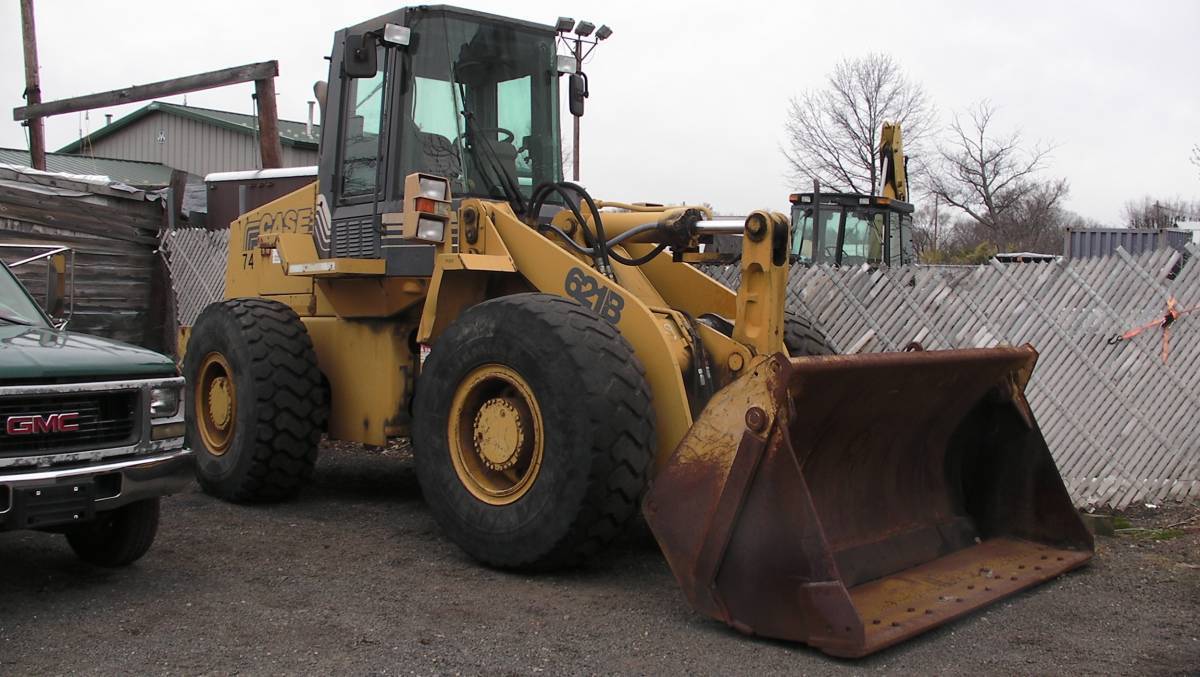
column 862, row 241
column 483, row 106
column 15, row 305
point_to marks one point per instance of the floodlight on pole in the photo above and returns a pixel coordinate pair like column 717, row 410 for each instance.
column 579, row 45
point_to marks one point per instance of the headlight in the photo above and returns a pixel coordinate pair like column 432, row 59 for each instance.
column 431, row 230
column 433, row 187
column 164, row 401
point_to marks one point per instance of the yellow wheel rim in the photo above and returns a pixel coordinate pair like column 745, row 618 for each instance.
column 215, row 399
column 496, row 434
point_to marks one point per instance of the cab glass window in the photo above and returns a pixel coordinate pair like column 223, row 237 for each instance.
column 360, row 132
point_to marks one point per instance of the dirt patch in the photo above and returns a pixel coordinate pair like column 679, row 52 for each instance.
column 354, row 577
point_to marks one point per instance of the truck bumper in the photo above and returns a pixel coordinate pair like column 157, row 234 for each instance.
column 42, row 498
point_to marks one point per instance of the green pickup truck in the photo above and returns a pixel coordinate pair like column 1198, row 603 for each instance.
column 91, row 430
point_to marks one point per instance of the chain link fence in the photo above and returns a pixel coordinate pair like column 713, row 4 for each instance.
column 1121, row 415
column 196, row 258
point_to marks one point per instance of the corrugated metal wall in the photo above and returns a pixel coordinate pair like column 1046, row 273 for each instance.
column 1087, row 242
column 1122, row 422
column 192, row 146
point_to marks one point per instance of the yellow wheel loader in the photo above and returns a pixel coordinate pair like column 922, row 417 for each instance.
column 558, row 360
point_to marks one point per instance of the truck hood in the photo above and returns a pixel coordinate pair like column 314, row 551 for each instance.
column 30, row 353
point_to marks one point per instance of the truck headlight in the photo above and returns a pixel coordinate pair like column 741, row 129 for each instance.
column 164, row 401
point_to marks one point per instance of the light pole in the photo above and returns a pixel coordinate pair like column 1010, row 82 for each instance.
column 579, row 47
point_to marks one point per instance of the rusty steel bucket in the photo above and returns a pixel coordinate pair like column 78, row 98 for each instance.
column 851, row 502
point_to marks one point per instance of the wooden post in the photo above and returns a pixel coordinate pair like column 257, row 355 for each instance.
column 33, row 88
column 154, row 90
column 269, row 148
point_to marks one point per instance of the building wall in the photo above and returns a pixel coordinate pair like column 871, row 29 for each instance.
column 191, row 146
column 120, row 281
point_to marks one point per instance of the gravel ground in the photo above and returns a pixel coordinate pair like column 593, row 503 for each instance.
column 353, row 578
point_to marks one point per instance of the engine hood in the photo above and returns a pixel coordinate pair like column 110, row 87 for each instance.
column 32, row 353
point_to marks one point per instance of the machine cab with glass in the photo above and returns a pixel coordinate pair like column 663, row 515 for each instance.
column 439, row 90
column 847, row 230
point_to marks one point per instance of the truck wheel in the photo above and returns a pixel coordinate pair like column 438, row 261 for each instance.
column 256, row 407
column 801, row 337
column 533, row 432
column 117, row 537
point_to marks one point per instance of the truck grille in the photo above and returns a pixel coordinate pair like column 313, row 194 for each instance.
column 35, row 424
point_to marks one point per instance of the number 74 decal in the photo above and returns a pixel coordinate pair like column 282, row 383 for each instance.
column 588, row 291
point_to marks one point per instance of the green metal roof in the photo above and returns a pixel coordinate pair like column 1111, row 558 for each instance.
column 137, row 174
column 291, row 133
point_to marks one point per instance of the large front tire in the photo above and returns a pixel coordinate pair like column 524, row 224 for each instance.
column 802, row 337
column 256, row 406
column 533, row 432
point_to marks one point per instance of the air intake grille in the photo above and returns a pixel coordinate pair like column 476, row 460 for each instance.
column 355, row 239
column 47, row 424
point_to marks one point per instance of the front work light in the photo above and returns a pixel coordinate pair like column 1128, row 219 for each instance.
column 433, row 187
column 396, row 34
column 567, row 64
column 426, row 207
column 430, row 229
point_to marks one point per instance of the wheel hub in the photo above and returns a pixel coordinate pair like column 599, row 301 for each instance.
column 499, row 433
column 215, row 401
column 220, row 404
column 495, row 434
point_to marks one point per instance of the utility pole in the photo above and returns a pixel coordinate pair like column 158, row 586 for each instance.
column 935, row 221
column 33, row 89
column 575, row 144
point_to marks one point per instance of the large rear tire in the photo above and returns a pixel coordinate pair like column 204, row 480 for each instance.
column 533, row 432
column 256, row 406
column 803, row 338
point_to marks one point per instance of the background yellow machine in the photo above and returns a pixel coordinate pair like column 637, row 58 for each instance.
column 576, row 356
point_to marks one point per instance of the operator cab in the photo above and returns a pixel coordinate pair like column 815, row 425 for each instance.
column 454, row 93
column 851, row 230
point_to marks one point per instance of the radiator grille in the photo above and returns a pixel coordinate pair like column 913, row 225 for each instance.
column 355, row 239
column 104, row 419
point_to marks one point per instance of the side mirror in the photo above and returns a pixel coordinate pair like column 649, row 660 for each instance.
column 56, row 286
column 577, row 91
column 359, row 60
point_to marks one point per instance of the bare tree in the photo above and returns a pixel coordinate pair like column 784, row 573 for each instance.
column 932, row 226
column 1196, row 156
column 1158, row 213
column 833, row 133
column 996, row 182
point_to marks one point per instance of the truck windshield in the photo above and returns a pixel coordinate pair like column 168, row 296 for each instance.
column 15, row 305
column 483, row 106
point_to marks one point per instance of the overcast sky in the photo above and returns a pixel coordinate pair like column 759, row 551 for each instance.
column 689, row 99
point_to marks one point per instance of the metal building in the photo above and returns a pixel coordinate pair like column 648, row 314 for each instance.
column 1082, row 243
column 199, row 141
column 146, row 175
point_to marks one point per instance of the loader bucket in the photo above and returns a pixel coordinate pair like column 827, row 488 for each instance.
column 851, row 502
